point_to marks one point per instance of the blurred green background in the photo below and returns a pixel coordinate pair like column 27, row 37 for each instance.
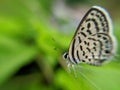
column 33, row 36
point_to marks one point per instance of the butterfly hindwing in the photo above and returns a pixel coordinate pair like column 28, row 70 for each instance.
column 97, row 49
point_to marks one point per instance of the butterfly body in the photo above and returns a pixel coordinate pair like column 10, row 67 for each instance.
column 93, row 41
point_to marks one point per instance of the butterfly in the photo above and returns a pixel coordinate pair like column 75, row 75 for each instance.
column 93, row 42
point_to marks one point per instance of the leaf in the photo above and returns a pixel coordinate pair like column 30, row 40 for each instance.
column 13, row 55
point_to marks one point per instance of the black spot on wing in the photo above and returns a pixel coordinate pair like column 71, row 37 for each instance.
column 89, row 32
column 104, row 38
column 97, row 16
column 81, row 48
column 107, row 51
column 94, row 48
column 94, row 43
column 101, row 19
column 92, row 14
column 102, row 24
column 92, row 39
column 89, row 59
column 88, row 43
column 93, row 55
column 83, row 53
column 86, row 56
column 82, row 33
column 85, row 42
column 88, row 25
column 99, row 36
column 88, row 49
column 83, row 60
column 78, row 55
column 82, row 28
column 79, row 39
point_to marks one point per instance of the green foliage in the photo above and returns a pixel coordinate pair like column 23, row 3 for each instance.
column 31, row 48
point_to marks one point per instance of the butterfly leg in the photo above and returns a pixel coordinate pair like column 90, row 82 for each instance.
column 74, row 70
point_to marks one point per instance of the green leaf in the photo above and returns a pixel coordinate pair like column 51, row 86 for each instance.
column 13, row 55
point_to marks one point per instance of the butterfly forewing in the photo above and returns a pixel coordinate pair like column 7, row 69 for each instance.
column 93, row 39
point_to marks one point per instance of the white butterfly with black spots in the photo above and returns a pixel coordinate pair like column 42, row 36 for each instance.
column 93, row 41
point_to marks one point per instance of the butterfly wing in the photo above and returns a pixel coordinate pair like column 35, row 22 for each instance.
column 93, row 39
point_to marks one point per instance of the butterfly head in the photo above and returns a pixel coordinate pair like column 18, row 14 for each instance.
column 65, row 56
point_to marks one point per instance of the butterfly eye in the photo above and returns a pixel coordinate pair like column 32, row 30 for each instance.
column 65, row 56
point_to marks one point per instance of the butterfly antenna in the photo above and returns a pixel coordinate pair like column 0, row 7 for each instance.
column 58, row 45
column 54, row 43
